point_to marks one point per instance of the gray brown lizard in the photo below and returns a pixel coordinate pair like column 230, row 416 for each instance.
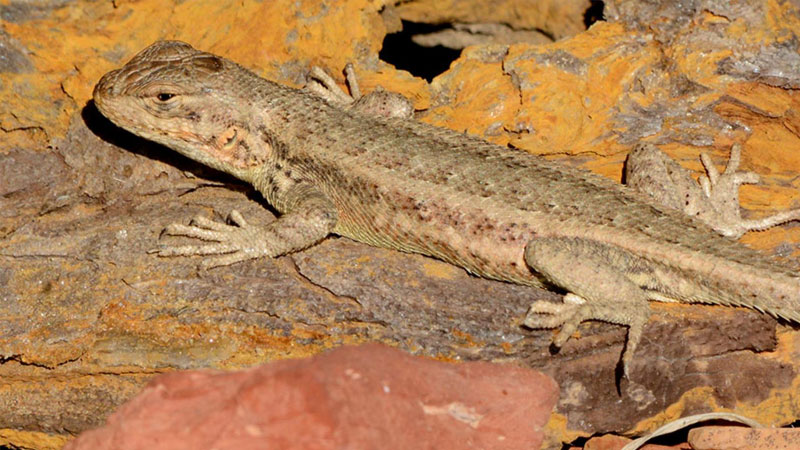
column 397, row 183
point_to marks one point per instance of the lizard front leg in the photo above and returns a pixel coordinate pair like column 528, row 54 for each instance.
column 599, row 279
column 309, row 216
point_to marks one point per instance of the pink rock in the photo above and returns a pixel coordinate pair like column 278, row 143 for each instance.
column 365, row 397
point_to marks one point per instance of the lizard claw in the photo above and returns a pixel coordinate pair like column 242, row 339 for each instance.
column 325, row 86
column 716, row 185
column 234, row 243
column 722, row 191
column 378, row 102
column 567, row 315
column 575, row 309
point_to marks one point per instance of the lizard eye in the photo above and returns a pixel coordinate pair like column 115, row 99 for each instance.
column 164, row 96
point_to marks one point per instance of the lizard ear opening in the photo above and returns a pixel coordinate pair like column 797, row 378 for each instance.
column 235, row 147
column 227, row 139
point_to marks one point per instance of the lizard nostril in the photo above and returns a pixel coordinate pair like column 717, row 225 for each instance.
column 109, row 85
column 98, row 88
column 102, row 87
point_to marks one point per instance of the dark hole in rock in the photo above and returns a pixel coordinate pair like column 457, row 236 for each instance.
column 426, row 62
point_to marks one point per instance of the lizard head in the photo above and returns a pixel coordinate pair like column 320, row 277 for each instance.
column 188, row 100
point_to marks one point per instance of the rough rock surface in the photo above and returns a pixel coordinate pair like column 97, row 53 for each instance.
column 611, row 442
column 736, row 438
column 87, row 316
column 365, row 397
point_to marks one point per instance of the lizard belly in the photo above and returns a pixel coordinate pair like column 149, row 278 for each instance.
column 476, row 237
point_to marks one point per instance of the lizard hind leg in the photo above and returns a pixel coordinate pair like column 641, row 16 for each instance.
column 598, row 279
column 713, row 198
column 722, row 189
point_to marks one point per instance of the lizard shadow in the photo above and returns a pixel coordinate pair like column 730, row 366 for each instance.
column 118, row 137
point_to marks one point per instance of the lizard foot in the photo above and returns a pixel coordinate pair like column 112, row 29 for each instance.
column 238, row 242
column 713, row 198
column 722, row 191
column 379, row 102
column 567, row 315
column 570, row 314
column 325, row 86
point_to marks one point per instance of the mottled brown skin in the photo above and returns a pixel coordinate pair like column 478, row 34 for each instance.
column 401, row 184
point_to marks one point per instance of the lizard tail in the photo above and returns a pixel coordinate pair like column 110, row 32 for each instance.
column 767, row 291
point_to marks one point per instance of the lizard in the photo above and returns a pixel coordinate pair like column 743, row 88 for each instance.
column 329, row 167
